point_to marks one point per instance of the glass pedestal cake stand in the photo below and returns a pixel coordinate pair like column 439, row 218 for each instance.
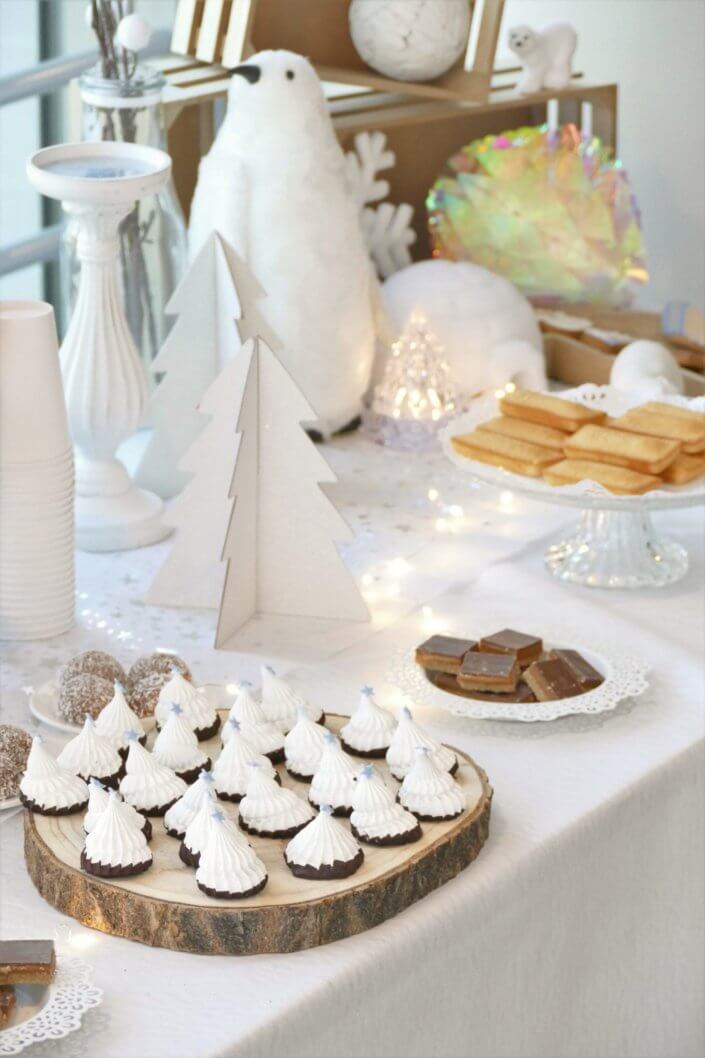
column 615, row 544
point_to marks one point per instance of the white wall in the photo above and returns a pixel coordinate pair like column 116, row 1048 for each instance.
column 654, row 50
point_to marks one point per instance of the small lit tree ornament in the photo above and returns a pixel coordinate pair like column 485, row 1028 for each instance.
column 416, row 395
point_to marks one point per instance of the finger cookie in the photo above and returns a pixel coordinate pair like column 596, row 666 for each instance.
column 506, row 452
column 619, row 480
column 548, row 410
column 602, row 444
column 690, row 434
column 521, row 430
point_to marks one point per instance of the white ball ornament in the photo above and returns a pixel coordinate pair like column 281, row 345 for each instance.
column 647, row 369
column 410, row 40
column 486, row 327
column 134, row 32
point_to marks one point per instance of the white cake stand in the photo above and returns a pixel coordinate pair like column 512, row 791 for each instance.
column 104, row 380
column 615, row 544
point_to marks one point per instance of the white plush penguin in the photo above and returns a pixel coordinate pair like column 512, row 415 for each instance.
column 273, row 184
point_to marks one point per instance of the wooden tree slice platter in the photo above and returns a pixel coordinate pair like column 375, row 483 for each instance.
column 164, row 907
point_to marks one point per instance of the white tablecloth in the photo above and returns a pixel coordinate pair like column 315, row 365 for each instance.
column 578, row 930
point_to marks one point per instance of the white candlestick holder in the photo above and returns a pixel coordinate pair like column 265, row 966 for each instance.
column 104, row 380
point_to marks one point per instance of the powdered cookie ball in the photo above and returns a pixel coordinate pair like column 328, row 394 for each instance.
column 157, row 664
column 144, row 695
column 15, row 745
column 83, row 695
column 94, row 663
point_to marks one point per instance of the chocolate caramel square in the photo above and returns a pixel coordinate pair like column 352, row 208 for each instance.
column 489, row 672
column 449, row 683
column 443, row 653
column 551, row 680
column 26, row 962
column 587, row 676
column 525, row 648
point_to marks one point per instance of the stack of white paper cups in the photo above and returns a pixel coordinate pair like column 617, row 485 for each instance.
column 36, row 478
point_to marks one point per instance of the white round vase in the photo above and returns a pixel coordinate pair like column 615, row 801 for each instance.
column 410, row 40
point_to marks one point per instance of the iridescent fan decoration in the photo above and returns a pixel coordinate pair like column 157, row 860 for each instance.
column 552, row 211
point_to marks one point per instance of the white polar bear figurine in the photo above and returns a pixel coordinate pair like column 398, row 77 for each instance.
column 546, row 55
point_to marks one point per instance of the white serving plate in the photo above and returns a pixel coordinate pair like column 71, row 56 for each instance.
column 50, row 1012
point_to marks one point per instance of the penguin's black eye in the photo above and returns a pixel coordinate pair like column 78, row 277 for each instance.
column 290, row 75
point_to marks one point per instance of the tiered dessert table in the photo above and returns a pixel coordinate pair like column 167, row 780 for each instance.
column 579, row 929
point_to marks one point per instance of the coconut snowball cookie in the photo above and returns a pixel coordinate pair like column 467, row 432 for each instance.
column 229, row 868
column 303, row 747
column 143, row 696
column 376, row 817
column 15, row 745
column 98, row 800
column 231, row 771
column 149, row 786
column 280, row 702
column 333, row 782
column 176, row 746
column 91, row 756
column 82, row 695
column 323, row 849
column 183, row 811
column 117, row 718
column 272, row 811
column 264, row 736
column 49, row 789
column 401, row 754
column 428, row 792
column 368, row 732
column 197, row 832
column 94, row 663
column 198, row 709
column 116, row 846
column 156, row 664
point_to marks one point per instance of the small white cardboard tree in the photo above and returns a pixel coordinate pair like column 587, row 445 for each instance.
column 216, row 309
column 279, row 547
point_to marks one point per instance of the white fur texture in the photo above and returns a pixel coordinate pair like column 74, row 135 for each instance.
column 488, row 329
column 546, row 55
column 647, row 369
column 273, row 184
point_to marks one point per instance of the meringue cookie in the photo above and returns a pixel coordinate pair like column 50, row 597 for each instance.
column 176, row 747
column 231, row 771
column 148, row 785
column 98, row 800
column 117, row 718
column 323, row 849
column 228, row 867
column 183, row 811
column 369, row 730
column 197, row 832
column 376, row 817
column 115, row 847
column 200, row 713
column 91, row 756
column 408, row 735
column 269, row 810
column 333, row 782
column 430, row 793
column 264, row 736
column 49, row 789
column 303, row 747
column 280, row 702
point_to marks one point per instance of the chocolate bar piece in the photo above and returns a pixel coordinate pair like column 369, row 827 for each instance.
column 7, row 1003
column 26, row 962
column 443, row 653
column 489, row 672
column 552, row 680
column 587, row 676
column 446, row 682
column 525, row 648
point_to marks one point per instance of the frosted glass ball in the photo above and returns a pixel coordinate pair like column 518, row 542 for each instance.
column 134, row 32
column 487, row 328
column 410, row 40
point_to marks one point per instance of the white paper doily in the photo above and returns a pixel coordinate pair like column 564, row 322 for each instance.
column 624, row 678
column 54, row 1010
column 586, row 493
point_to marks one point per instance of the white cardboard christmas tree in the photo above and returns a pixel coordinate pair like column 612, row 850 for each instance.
column 280, row 544
column 216, row 309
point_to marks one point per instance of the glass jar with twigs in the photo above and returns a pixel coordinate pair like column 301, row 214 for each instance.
column 121, row 101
